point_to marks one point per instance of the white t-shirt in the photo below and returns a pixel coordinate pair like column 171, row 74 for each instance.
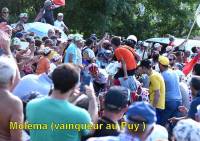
column 140, row 52
column 59, row 24
column 52, row 67
column 90, row 53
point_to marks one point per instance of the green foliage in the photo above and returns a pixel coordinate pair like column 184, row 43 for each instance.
column 119, row 17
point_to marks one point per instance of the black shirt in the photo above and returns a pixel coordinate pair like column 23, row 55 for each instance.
column 3, row 20
column 48, row 15
column 105, row 130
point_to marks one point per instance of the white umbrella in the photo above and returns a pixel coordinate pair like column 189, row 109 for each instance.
column 41, row 29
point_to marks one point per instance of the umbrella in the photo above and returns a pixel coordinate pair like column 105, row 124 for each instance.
column 41, row 29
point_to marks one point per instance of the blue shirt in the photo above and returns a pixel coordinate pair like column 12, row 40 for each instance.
column 75, row 52
column 172, row 88
column 58, row 115
column 193, row 106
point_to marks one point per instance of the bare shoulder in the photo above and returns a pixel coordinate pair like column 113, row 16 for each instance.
column 15, row 101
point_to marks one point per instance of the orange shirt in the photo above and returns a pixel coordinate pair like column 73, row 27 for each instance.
column 43, row 65
column 127, row 55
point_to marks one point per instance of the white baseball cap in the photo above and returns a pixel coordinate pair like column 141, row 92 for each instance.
column 60, row 14
column 23, row 15
column 157, row 45
column 132, row 37
column 16, row 42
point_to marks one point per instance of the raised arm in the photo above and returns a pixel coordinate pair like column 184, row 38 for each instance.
column 5, row 45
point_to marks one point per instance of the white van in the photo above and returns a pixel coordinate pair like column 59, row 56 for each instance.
column 177, row 42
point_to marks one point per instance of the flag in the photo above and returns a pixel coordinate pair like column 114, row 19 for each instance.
column 59, row 2
column 189, row 66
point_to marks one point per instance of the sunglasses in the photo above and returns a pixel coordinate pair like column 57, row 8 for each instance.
column 171, row 59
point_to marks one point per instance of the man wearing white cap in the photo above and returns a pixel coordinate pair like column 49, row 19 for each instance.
column 158, row 47
column 23, row 18
column 59, row 22
column 73, row 52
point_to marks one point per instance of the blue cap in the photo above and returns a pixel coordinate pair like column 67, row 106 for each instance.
column 141, row 111
column 19, row 35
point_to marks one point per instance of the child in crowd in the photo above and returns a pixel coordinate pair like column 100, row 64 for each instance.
column 44, row 63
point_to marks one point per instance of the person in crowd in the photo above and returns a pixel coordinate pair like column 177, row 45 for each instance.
column 171, row 41
column 126, row 57
column 5, row 48
column 12, row 104
column 55, row 41
column 23, row 18
column 15, row 45
column 131, row 41
column 73, row 53
column 49, row 43
column 88, row 53
column 142, row 78
column 168, row 51
column 44, row 63
column 113, row 111
column 99, row 78
column 172, row 60
column 48, row 12
column 105, row 52
column 185, row 92
column 186, row 130
column 50, row 33
column 179, row 57
column 43, row 110
column 4, row 15
column 196, row 69
column 158, row 47
column 154, row 61
column 172, row 91
column 156, row 88
column 195, row 88
column 142, row 51
column 186, row 56
column 60, row 24
column 140, row 113
column 55, row 62
column 69, row 41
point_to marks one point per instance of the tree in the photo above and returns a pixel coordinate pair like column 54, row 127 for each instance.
column 144, row 18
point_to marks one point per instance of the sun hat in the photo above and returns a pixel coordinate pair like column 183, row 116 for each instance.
column 142, row 110
column 163, row 60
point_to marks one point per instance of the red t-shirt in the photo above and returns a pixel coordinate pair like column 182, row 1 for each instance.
column 127, row 55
